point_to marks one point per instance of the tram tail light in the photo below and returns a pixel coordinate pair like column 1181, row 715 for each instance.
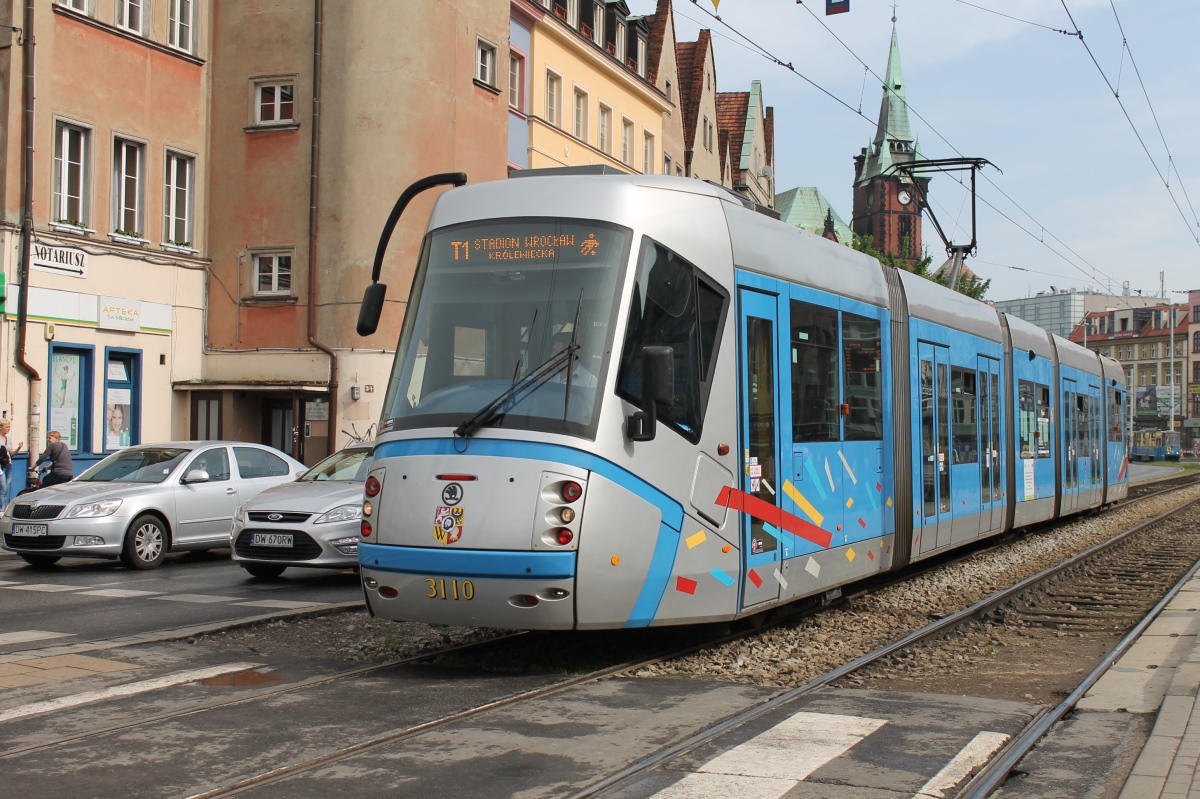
column 372, row 486
column 563, row 536
column 571, row 491
column 364, row 529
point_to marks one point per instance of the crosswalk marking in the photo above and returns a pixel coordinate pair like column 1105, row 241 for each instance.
column 973, row 755
column 722, row 786
column 809, row 741
column 200, row 599
column 120, row 593
column 46, row 587
column 25, row 636
column 129, row 689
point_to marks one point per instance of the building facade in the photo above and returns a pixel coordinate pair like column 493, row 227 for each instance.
column 1062, row 310
column 1153, row 354
column 1191, row 432
column 105, row 199
column 697, row 67
column 747, row 128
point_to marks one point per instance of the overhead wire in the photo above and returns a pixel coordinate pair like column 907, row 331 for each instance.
column 763, row 52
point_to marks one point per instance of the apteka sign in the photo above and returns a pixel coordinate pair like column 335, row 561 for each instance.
column 60, row 260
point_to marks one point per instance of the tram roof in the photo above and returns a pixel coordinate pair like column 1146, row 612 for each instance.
column 936, row 303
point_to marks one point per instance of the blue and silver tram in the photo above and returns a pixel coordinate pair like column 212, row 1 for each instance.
column 623, row 401
column 1156, row 445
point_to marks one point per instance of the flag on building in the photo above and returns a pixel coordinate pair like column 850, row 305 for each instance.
column 836, row 6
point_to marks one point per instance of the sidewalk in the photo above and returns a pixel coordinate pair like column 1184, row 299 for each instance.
column 1161, row 673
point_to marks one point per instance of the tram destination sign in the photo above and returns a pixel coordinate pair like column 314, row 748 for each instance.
column 526, row 247
column 60, row 260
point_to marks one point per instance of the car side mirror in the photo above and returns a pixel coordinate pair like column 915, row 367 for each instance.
column 196, row 476
column 658, row 389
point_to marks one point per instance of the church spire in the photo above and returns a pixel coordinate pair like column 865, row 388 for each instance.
column 894, row 140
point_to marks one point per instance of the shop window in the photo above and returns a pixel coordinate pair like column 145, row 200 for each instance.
column 122, row 398
column 69, row 392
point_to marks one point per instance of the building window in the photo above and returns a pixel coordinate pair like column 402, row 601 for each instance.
column 679, row 170
column 641, row 60
column 666, row 164
column 619, row 40
column 128, row 177
column 648, row 153
column 581, row 115
column 1196, row 342
column 598, row 23
column 485, row 62
column 516, row 82
column 274, row 103
column 606, row 116
column 177, row 200
column 71, row 174
column 75, row 5
column 129, row 15
column 670, row 94
column 272, row 274
column 573, row 13
column 627, row 142
column 1196, row 313
column 122, row 393
column 206, row 416
column 180, row 32
column 553, row 98
column 706, row 133
column 70, row 395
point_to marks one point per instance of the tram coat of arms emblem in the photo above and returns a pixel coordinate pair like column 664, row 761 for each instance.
column 448, row 524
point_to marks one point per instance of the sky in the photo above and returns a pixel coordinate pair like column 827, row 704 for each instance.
column 1075, row 198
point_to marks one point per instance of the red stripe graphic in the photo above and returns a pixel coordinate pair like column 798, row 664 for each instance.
column 1124, row 466
column 741, row 501
column 754, row 578
column 685, row 585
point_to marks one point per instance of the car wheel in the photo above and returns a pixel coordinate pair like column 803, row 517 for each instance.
column 265, row 570
column 145, row 543
column 41, row 561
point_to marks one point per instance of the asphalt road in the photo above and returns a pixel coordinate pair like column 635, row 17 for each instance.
column 81, row 600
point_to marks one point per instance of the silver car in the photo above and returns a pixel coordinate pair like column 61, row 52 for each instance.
column 311, row 522
column 143, row 501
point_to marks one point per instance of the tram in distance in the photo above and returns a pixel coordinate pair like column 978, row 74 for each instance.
column 624, row 401
column 1156, row 445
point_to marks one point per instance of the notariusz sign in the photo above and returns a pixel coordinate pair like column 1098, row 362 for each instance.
column 60, row 260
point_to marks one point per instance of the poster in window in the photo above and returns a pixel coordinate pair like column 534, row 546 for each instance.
column 64, row 396
column 116, row 429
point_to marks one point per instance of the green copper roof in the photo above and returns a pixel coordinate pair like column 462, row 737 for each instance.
column 894, row 139
column 806, row 207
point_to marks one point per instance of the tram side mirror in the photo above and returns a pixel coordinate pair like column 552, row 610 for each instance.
column 371, row 308
column 658, row 389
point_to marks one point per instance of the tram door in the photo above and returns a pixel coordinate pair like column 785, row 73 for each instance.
column 991, row 504
column 934, row 376
column 1070, row 449
column 761, row 547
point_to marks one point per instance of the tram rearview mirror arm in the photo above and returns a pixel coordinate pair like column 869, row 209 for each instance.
column 372, row 304
column 658, row 389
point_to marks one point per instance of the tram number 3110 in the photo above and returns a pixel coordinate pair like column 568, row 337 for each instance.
column 441, row 588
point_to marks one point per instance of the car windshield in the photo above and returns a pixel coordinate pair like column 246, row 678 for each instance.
column 350, row 465
column 149, row 465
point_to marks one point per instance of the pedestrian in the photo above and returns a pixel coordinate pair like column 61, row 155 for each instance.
column 7, row 453
column 59, row 456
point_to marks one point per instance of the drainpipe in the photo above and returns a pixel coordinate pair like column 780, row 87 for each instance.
column 34, row 421
column 318, row 18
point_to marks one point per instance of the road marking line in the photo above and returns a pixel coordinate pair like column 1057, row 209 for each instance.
column 713, row 786
column 794, row 748
column 30, row 635
column 46, row 587
column 118, row 691
column 201, row 599
column 120, row 593
column 973, row 755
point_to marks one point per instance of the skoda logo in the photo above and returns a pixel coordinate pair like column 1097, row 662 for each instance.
column 452, row 494
column 274, row 517
column 33, row 508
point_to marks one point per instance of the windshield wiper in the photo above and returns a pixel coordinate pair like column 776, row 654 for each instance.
column 516, row 392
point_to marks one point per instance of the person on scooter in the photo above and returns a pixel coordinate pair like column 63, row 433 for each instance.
column 59, row 456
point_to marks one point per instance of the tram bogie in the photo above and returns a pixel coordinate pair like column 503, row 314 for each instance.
column 624, row 401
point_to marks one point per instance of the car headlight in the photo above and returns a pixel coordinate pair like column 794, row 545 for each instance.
column 344, row 513
column 239, row 515
column 92, row 510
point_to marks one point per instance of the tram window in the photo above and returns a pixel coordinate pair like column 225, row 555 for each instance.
column 1027, row 413
column 1116, row 416
column 965, row 414
column 863, row 391
column 675, row 306
column 1043, row 420
column 814, row 339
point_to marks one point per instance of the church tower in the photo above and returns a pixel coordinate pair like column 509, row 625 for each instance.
column 886, row 206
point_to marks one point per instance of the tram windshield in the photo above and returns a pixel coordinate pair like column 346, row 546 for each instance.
column 492, row 303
